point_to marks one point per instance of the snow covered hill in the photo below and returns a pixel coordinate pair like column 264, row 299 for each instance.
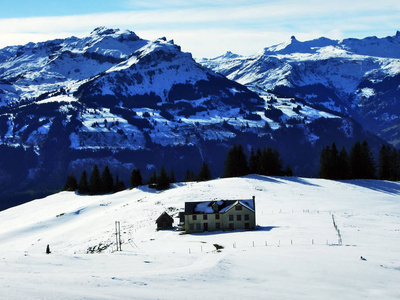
column 357, row 77
column 294, row 254
column 115, row 99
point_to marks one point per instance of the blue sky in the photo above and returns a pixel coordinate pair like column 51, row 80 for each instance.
column 205, row 28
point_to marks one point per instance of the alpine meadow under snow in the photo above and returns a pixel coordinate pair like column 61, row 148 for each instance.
column 295, row 253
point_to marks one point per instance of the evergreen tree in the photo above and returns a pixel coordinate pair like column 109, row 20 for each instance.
column 107, row 181
column 189, row 176
column 288, row 171
column 384, row 164
column 324, row 163
column 95, row 181
column 119, row 185
column 369, row 163
column 71, row 184
column 343, row 164
column 153, row 178
column 205, row 173
column 136, row 178
column 172, row 178
column 162, row 180
column 83, row 187
column 270, row 163
column 334, row 165
column 362, row 165
column 254, row 162
column 236, row 162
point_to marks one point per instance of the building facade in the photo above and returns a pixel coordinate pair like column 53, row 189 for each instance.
column 219, row 215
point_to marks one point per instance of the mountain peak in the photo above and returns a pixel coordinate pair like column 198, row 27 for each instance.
column 103, row 30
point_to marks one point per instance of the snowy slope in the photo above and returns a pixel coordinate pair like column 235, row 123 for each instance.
column 294, row 254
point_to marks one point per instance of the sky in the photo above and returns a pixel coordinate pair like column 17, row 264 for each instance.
column 206, row 28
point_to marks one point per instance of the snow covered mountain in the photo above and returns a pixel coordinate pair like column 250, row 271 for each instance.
column 296, row 243
column 115, row 99
column 356, row 77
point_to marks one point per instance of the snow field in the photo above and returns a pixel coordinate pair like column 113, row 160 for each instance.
column 294, row 254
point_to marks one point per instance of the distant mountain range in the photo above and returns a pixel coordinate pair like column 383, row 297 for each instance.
column 115, row 99
column 359, row 78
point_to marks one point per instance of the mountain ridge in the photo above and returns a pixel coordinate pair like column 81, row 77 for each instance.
column 357, row 77
column 115, row 99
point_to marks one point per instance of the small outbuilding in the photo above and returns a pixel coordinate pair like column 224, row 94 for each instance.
column 164, row 221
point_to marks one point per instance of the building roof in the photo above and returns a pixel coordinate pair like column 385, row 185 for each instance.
column 165, row 215
column 221, row 206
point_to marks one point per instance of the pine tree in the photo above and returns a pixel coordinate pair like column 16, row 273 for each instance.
column 324, row 163
column 162, row 180
column 107, row 181
column 71, row 184
column 369, row 163
column 254, row 162
column 288, row 171
column 153, row 178
column 119, row 185
column 189, row 176
column 83, row 187
column 136, row 178
column 343, row 164
column 362, row 165
column 384, row 164
column 236, row 162
column 95, row 181
column 205, row 173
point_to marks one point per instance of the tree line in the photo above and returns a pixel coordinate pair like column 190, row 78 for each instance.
column 360, row 163
column 264, row 161
column 104, row 184
column 334, row 164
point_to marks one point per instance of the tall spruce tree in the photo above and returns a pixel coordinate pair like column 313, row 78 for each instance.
column 119, row 185
column 254, row 162
column 95, row 181
column 71, row 183
column 384, row 163
column 343, row 164
column 205, row 173
column 107, row 181
column 136, row 178
column 362, row 165
column 236, row 162
column 163, row 180
column 189, row 176
column 83, row 187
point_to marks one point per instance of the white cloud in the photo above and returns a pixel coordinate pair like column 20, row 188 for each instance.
column 209, row 28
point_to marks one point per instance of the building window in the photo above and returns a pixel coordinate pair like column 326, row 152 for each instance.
column 194, row 217
column 246, row 225
column 218, row 225
column 198, row 226
column 246, row 217
column 239, row 218
column 217, row 216
column 230, row 217
column 191, row 226
column 204, row 217
column 238, row 207
column 231, row 226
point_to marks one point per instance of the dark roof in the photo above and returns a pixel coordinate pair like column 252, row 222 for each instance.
column 166, row 216
column 206, row 207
